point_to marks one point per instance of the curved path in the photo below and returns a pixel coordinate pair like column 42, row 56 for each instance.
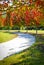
column 16, row 45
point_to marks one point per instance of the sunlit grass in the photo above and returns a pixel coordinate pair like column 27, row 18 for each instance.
column 4, row 37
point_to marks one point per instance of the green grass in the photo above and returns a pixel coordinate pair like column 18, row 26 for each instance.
column 4, row 37
column 33, row 31
column 34, row 55
column 29, row 31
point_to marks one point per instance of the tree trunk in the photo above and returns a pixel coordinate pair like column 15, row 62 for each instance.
column 36, row 32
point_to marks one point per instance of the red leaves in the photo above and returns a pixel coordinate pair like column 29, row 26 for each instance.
column 18, row 18
column 12, row 15
column 3, row 21
column 27, row 17
column 39, row 2
column 37, row 23
column 30, row 1
column 15, row 18
column 25, row 14
column 5, row 5
column 0, row 13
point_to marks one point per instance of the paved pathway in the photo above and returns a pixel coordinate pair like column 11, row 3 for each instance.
column 16, row 45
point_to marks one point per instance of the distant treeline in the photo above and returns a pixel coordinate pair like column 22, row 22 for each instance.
column 24, row 28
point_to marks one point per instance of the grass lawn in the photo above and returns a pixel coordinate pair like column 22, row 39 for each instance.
column 29, row 31
column 4, row 37
column 33, row 31
column 34, row 55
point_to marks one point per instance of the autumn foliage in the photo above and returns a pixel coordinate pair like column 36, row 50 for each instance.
column 23, row 13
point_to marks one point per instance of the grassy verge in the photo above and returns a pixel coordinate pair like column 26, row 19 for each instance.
column 34, row 55
column 4, row 37
column 33, row 31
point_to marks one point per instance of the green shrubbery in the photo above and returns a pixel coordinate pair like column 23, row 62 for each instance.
column 18, row 28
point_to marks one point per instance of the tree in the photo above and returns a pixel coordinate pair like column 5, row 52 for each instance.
column 0, row 19
column 36, row 15
column 39, row 3
column 27, row 17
